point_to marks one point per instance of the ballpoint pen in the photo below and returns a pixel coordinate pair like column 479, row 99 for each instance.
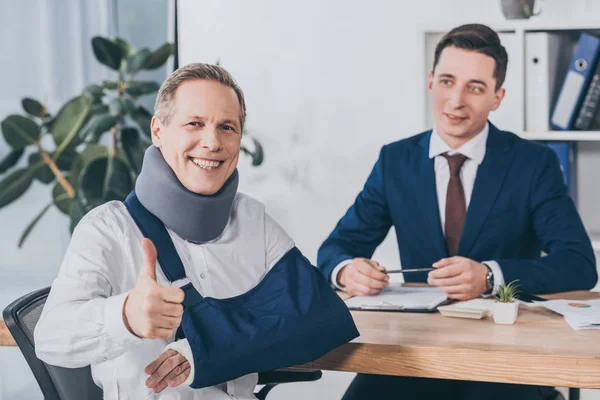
column 405, row 271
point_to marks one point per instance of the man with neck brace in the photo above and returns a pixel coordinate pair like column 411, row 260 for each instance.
column 111, row 306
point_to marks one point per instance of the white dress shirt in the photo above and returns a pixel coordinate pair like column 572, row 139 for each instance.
column 82, row 321
column 474, row 150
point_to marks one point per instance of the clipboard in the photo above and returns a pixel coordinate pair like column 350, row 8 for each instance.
column 401, row 299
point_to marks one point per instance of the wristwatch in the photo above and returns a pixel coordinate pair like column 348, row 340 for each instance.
column 489, row 280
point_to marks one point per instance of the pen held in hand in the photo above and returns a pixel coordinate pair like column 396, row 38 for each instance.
column 406, row 271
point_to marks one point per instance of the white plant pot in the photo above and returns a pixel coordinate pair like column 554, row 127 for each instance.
column 505, row 313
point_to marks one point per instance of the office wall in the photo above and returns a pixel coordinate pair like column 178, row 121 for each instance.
column 327, row 84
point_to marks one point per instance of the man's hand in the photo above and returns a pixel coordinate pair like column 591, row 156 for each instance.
column 363, row 277
column 169, row 369
column 152, row 311
column 460, row 277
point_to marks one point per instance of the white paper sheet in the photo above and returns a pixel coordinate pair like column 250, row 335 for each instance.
column 399, row 298
column 579, row 314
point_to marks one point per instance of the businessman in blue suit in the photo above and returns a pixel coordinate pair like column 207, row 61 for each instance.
column 476, row 202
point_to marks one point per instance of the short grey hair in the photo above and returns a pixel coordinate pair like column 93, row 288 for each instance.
column 163, row 108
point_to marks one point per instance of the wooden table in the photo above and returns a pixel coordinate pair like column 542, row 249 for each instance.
column 540, row 348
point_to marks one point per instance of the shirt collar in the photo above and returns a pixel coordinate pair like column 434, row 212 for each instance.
column 474, row 149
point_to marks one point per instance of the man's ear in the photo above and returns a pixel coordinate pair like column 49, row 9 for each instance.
column 430, row 81
column 156, row 128
column 498, row 96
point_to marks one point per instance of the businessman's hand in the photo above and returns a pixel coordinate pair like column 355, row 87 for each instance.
column 152, row 311
column 363, row 277
column 461, row 278
column 169, row 369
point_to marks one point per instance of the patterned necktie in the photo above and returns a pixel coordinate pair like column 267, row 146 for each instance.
column 456, row 209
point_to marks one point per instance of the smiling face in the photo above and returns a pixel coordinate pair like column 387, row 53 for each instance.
column 201, row 141
column 462, row 89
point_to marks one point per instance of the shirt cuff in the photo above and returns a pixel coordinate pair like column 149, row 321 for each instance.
column 183, row 347
column 113, row 321
column 498, row 276
column 335, row 273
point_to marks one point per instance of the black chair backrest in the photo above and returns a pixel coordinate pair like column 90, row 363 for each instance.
column 57, row 383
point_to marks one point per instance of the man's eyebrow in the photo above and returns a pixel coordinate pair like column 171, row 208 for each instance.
column 480, row 82
column 477, row 81
column 230, row 121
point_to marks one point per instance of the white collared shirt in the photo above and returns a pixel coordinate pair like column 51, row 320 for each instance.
column 474, row 150
column 82, row 321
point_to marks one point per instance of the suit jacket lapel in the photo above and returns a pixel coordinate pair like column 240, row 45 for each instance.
column 488, row 183
column 426, row 196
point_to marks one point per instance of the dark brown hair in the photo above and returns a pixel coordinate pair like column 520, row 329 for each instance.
column 478, row 38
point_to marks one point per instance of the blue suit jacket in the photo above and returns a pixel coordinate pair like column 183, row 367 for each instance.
column 518, row 207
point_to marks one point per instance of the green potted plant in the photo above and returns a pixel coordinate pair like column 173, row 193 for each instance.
column 506, row 307
column 91, row 151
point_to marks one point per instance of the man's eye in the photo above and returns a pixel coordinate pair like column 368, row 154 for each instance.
column 194, row 123
column 227, row 128
column 445, row 82
column 476, row 89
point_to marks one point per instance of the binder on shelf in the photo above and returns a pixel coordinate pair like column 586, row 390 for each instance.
column 542, row 54
column 566, row 153
column 576, row 82
column 591, row 103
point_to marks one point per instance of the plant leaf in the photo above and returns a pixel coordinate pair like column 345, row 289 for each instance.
column 127, row 106
column 99, row 109
column 94, row 92
column 102, row 180
column 133, row 147
column 89, row 154
column 121, row 106
column 107, row 52
column 137, row 61
column 69, row 120
column 111, row 85
column 20, row 131
column 143, row 118
column 257, row 154
column 10, row 160
column 61, row 198
column 44, row 174
column 29, row 228
column 126, row 48
column 34, row 107
column 140, row 88
column 114, row 107
column 97, row 125
column 66, row 159
column 160, row 56
column 14, row 185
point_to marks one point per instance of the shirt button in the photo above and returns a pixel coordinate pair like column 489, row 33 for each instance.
column 202, row 276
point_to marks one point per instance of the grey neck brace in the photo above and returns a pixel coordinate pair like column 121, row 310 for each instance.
column 194, row 217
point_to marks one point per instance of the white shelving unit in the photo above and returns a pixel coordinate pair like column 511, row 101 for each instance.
column 511, row 115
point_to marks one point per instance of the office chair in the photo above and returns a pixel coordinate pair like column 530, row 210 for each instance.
column 58, row 383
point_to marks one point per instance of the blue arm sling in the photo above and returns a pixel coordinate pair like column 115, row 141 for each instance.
column 291, row 317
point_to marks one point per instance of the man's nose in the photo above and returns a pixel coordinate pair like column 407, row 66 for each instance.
column 210, row 140
column 457, row 98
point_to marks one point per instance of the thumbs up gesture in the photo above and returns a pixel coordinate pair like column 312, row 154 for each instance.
column 150, row 310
